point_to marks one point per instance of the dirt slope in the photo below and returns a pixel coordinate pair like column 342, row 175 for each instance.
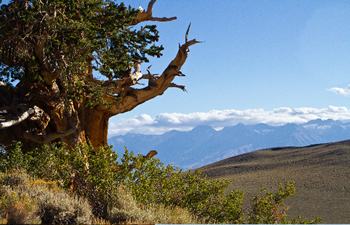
column 321, row 174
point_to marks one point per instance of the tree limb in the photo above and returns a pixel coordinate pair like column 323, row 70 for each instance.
column 14, row 120
column 178, row 86
column 132, row 97
column 38, row 118
column 147, row 15
column 151, row 78
column 42, row 139
column 150, row 154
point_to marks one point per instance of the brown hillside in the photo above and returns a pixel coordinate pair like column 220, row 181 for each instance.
column 321, row 174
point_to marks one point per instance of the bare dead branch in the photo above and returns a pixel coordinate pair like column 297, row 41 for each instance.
column 178, row 86
column 6, row 121
column 147, row 15
column 150, row 5
column 150, row 154
column 148, row 69
column 151, row 78
column 188, row 30
column 162, row 19
column 181, row 56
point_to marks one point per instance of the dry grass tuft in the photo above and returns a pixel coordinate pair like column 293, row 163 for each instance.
column 100, row 221
column 126, row 210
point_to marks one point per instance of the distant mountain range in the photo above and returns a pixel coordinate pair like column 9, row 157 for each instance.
column 204, row 145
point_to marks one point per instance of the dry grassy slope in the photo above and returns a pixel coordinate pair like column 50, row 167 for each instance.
column 321, row 174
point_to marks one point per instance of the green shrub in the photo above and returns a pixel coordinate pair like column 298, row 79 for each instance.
column 152, row 183
column 13, row 158
column 269, row 208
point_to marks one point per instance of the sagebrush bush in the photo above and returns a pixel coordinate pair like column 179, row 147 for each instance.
column 24, row 201
column 17, row 208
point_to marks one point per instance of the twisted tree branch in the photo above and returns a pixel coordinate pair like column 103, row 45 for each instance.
column 9, row 121
column 42, row 139
column 147, row 15
column 131, row 97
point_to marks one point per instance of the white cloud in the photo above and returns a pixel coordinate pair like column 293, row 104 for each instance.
column 340, row 91
column 217, row 119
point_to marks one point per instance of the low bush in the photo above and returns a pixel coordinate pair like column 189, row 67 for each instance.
column 269, row 208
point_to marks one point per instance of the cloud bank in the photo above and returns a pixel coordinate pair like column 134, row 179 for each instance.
column 341, row 91
column 164, row 122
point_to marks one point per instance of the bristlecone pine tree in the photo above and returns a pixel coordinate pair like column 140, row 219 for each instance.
column 48, row 52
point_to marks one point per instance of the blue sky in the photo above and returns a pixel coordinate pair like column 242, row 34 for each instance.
column 273, row 61
column 256, row 54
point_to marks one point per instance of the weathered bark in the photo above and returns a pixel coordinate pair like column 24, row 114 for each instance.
column 46, row 116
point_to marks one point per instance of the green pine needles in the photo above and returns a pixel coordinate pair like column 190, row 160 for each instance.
column 70, row 38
